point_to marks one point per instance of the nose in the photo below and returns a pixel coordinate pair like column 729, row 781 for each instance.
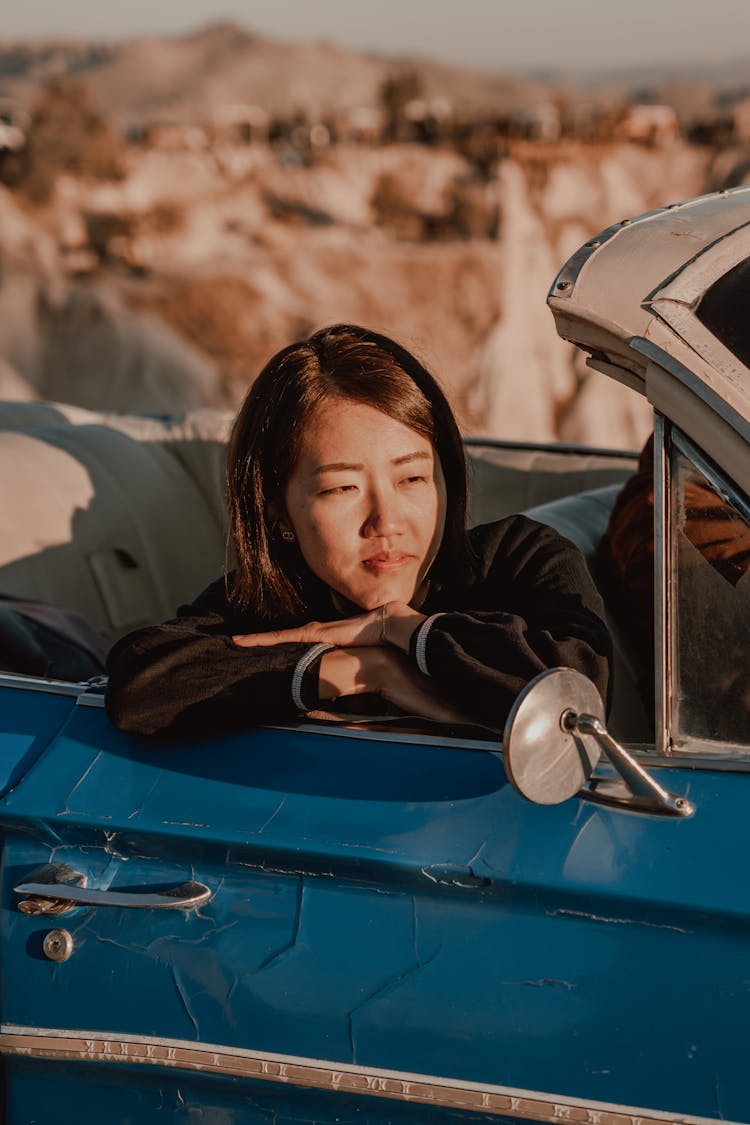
column 382, row 520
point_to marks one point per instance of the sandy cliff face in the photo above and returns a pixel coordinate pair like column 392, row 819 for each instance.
column 529, row 384
column 170, row 289
column 80, row 342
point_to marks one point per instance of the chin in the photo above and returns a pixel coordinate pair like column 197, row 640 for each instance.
column 369, row 595
column 390, row 592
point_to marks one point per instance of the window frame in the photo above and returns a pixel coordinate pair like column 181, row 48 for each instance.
column 676, row 301
column 693, row 751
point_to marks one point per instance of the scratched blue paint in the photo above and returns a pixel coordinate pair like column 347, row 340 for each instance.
column 394, row 905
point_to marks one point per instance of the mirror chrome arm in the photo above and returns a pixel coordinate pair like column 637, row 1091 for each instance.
column 554, row 736
column 641, row 792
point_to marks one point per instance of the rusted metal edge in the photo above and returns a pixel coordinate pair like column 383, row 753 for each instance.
column 343, row 1078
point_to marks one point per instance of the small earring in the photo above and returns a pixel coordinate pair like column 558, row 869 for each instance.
column 288, row 536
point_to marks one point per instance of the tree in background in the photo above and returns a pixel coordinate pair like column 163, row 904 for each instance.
column 396, row 91
column 66, row 134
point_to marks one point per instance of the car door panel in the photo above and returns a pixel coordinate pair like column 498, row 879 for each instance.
column 382, row 904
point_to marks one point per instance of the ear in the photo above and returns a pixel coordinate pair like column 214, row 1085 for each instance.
column 276, row 516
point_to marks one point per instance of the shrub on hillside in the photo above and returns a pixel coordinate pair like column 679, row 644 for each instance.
column 394, row 206
column 66, row 134
column 396, row 92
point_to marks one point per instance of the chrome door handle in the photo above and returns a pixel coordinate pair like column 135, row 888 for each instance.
column 57, row 888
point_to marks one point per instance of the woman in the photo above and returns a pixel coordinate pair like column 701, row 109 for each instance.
column 355, row 574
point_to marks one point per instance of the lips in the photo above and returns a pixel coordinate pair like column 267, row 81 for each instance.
column 385, row 561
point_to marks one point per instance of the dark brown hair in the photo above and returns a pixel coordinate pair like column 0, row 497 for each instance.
column 339, row 362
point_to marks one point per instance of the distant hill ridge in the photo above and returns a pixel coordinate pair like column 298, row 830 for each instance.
column 186, row 78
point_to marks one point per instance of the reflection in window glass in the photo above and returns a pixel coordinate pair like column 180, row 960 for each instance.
column 711, row 561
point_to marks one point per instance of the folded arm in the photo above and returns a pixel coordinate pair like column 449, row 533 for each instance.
column 536, row 608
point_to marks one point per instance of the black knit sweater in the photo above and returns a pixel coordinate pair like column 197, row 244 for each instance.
column 530, row 605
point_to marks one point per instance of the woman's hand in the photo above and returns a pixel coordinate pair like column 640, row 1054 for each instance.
column 390, row 624
column 384, row 672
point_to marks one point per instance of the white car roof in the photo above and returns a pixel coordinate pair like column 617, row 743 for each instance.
column 630, row 298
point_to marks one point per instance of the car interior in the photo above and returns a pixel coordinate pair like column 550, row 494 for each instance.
column 116, row 520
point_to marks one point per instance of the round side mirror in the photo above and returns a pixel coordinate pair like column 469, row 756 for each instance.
column 546, row 759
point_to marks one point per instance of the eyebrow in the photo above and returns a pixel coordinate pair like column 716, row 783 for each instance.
column 350, row 466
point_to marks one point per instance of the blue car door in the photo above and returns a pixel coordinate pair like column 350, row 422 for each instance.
column 391, row 934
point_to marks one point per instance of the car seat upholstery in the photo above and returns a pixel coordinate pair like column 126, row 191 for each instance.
column 513, row 478
column 118, row 519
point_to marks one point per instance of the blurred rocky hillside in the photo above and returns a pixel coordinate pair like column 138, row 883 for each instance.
column 173, row 212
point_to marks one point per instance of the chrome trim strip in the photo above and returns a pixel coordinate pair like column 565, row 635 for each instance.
column 662, row 646
column 702, row 390
column 331, row 1077
column 565, row 447
column 346, row 729
column 36, row 683
column 729, row 758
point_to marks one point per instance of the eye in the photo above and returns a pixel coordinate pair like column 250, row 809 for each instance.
column 338, row 490
column 414, row 480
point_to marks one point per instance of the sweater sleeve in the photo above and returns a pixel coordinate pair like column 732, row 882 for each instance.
column 186, row 678
column 535, row 608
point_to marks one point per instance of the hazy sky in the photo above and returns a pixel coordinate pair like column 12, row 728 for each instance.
column 502, row 34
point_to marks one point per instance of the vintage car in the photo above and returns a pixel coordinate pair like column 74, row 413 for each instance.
column 329, row 922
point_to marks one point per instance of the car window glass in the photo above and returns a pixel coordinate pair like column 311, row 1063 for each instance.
column 710, row 551
column 723, row 310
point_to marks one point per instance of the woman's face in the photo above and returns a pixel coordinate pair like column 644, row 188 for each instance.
column 366, row 501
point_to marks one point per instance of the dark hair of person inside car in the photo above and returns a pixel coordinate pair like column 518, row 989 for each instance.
column 344, row 362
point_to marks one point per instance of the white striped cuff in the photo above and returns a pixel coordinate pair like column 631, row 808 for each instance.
column 302, row 665
column 420, row 644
